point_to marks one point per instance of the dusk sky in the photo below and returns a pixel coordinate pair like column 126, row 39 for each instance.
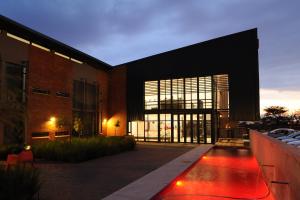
column 118, row 31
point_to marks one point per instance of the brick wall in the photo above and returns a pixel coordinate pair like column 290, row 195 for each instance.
column 117, row 107
column 50, row 72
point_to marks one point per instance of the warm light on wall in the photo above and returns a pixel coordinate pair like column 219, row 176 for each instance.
column 110, row 121
column 104, row 121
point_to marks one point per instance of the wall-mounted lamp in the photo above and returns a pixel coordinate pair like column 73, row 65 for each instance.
column 27, row 147
column 104, row 121
column 52, row 120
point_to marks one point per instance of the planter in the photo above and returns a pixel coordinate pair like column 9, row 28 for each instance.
column 12, row 159
column 26, row 156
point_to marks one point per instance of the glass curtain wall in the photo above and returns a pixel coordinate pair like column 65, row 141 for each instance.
column 222, row 104
column 151, row 127
column 151, row 95
column 177, row 94
column 13, row 93
column 184, row 110
column 85, row 108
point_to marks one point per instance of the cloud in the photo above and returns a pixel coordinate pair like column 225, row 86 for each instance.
column 118, row 31
column 286, row 98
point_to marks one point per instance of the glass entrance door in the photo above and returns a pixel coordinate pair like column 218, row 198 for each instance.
column 192, row 128
column 178, row 127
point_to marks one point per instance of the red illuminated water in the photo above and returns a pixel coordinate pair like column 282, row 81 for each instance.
column 222, row 174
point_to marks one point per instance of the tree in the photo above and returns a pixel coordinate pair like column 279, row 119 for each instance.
column 297, row 113
column 276, row 113
column 117, row 125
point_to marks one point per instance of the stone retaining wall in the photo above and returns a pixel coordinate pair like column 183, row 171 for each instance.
column 280, row 163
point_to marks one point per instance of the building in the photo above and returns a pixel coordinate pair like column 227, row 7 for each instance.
column 192, row 94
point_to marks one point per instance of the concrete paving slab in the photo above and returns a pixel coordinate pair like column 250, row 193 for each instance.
column 95, row 179
column 152, row 183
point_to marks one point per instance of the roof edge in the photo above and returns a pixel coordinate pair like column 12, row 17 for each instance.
column 192, row 45
column 49, row 42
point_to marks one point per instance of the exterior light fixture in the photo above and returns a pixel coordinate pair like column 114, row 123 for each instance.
column 27, row 147
column 179, row 183
column 104, row 121
column 52, row 119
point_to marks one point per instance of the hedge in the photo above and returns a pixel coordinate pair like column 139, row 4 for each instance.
column 82, row 149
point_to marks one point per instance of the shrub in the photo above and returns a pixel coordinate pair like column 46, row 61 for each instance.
column 81, row 149
column 19, row 182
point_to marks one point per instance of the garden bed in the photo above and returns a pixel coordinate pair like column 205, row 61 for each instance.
column 19, row 182
column 82, row 149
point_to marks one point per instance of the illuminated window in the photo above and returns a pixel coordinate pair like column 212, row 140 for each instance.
column 205, row 92
column 151, row 127
column 40, row 47
column 191, row 93
column 222, row 101
column 61, row 55
column 178, row 93
column 151, row 95
column 17, row 38
column 222, row 91
column 85, row 104
column 165, row 94
column 137, row 130
column 165, row 127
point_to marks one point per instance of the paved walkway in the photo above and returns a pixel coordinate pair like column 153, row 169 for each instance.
column 98, row 178
column 152, row 183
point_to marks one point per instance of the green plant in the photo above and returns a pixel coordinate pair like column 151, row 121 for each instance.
column 62, row 122
column 117, row 125
column 77, row 124
column 19, row 183
column 81, row 149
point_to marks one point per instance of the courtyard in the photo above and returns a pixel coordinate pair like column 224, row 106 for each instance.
column 98, row 178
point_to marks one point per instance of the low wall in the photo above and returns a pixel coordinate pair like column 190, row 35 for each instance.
column 280, row 163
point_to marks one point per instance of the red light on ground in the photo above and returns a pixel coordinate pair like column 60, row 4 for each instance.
column 179, row 183
column 204, row 157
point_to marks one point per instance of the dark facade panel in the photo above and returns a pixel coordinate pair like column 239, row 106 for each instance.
column 235, row 55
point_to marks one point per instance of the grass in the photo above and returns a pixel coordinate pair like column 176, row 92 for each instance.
column 82, row 149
